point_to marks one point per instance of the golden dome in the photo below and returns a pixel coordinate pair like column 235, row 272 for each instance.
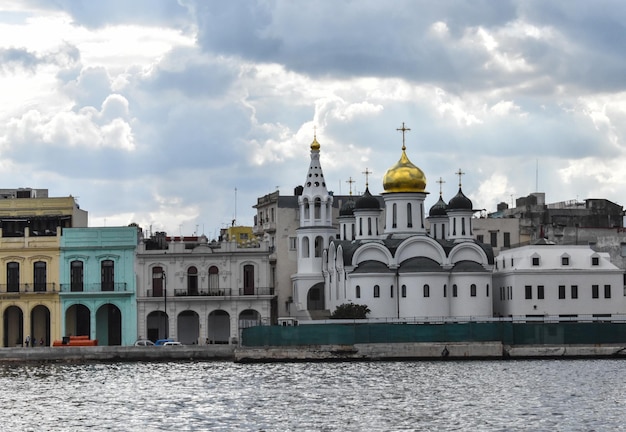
column 404, row 176
column 315, row 145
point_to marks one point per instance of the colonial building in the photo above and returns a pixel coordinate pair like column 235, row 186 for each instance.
column 97, row 278
column 199, row 292
column 403, row 272
column 31, row 226
column 554, row 280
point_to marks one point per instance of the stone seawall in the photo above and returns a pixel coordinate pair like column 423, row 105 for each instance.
column 425, row 351
column 116, row 353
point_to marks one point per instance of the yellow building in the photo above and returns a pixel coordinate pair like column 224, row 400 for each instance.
column 30, row 232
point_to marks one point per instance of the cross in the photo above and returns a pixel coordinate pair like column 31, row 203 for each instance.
column 367, row 172
column 459, row 173
column 314, row 132
column 403, row 130
column 441, row 182
column 350, row 181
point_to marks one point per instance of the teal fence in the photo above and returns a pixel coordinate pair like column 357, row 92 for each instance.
column 508, row 333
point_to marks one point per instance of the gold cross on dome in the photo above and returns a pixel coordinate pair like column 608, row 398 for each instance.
column 403, row 130
column 350, row 181
column 441, row 182
column 367, row 172
column 459, row 173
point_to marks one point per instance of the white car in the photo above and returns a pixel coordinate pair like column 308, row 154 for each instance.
column 172, row 344
column 144, row 342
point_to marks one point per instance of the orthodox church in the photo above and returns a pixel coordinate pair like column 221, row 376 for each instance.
column 403, row 271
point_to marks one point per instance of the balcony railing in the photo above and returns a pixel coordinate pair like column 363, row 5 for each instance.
column 95, row 287
column 216, row 292
column 28, row 288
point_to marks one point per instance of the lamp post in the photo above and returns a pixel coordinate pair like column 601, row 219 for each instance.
column 164, row 279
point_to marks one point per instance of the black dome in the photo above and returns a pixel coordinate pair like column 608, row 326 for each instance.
column 439, row 209
column 367, row 201
column 460, row 202
column 347, row 209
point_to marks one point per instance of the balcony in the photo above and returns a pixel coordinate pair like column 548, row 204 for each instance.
column 95, row 287
column 29, row 288
column 217, row 292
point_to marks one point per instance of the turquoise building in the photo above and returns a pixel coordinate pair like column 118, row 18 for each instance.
column 98, row 284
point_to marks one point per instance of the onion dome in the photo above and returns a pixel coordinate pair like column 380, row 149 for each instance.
column 404, row 176
column 347, row 209
column 460, row 202
column 315, row 145
column 439, row 209
column 367, row 202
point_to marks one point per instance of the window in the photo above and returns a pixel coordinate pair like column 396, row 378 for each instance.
column 540, row 290
column 319, row 245
column 76, row 276
column 494, row 239
column 561, row 292
column 192, row 281
column 248, row 279
column 473, row 290
column 158, row 282
column 487, row 290
column 507, row 239
column 214, row 278
column 445, row 290
column 394, row 215
column 574, row 291
column 357, row 292
column 39, row 270
column 480, row 238
column 426, row 290
column 107, row 276
column 595, row 291
column 317, row 213
column 293, row 241
column 391, row 291
column 454, row 291
column 376, row 291
column 13, row 277
column 607, row 291
column 409, row 216
column 528, row 289
column 535, row 261
column 595, row 261
column 403, row 290
column 305, row 247
column 565, row 260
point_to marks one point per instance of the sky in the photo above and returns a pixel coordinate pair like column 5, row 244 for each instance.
column 178, row 115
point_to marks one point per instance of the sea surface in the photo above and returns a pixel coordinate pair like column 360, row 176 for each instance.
column 537, row 395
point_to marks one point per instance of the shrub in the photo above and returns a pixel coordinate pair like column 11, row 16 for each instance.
column 350, row 311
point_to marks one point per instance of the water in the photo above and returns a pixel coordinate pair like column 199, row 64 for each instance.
column 548, row 395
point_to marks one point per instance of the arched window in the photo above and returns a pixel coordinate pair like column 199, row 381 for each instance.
column 158, row 281
column 369, row 226
column 426, row 290
column 403, row 290
column 248, row 279
column 454, row 291
column 409, row 216
column 305, row 207
column 357, row 290
column 394, row 215
column 76, row 276
column 13, row 277
column 305, row 247
column 318, row 209
column 445, row 290
column 487, row 290
column 376, row 291
column 360, row 226
column 462, row 226
column 214, row 279
column 453, row 226
column 319, row 246
column 473, row 290
column 192, row 281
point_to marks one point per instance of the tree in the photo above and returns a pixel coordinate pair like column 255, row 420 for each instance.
column 350, row 311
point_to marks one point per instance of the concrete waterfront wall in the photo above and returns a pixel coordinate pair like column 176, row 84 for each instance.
column 116, row 353
column 425, row 351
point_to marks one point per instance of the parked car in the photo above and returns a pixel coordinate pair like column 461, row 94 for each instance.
column 161, row 342
column 144, row 342
column 172, row 343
